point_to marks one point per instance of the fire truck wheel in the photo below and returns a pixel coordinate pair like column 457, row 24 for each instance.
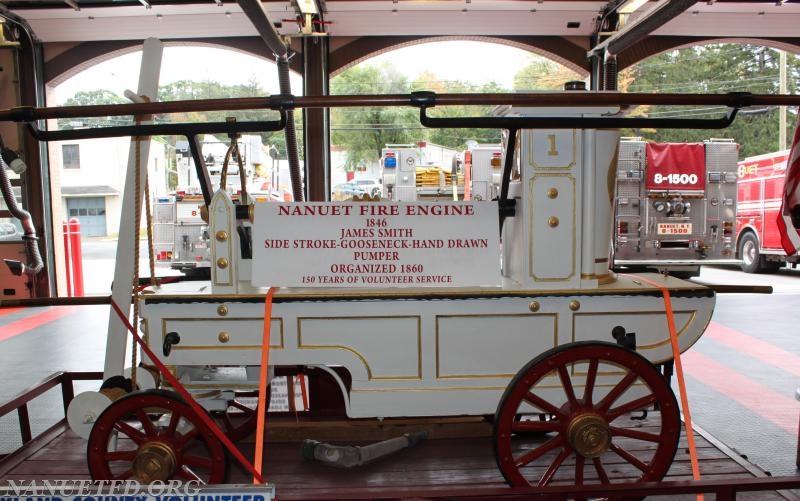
column 590, row 389
column 154, row 435
column 752, row 260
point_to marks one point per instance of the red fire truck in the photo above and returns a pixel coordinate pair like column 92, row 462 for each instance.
column 761, row 180
column 675, row 205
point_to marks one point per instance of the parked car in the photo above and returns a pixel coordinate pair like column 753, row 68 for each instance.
column 371, row 186
column 9, row 232
column 346, row 191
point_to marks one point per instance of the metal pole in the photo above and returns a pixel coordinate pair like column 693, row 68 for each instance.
column 76, row 255
column 782, row 109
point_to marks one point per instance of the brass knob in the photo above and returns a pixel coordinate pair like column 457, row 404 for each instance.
column 574, row 305
column 222, row 310
column 552, row 221
column 221, row 236
column 222, row 263
column 534, row 306
column 552, row 193
column 224, row 337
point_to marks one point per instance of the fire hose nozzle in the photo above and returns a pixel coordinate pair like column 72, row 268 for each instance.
column 349, row 456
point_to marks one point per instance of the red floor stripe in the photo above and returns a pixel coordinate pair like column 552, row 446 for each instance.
column 778, row 408
column 9, row 311
column 754, row 347
column 23, row 325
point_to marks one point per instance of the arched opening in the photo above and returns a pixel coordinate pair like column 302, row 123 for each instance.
column 445, row 65
column 88, row 175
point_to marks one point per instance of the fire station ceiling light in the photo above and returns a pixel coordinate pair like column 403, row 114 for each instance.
column 73, row 4
column 631, row 6
column 145, row 3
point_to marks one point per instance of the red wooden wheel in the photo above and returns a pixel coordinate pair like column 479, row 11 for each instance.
column 239, row 420
column 590, row 389
column 154, row 435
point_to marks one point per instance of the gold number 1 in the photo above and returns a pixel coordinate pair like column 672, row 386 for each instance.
column 553, row 152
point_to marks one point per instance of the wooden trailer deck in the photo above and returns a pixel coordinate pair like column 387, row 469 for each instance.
column 457, row 461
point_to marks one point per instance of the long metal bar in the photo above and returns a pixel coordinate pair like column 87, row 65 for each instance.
column 570, row 122
column 279, row 102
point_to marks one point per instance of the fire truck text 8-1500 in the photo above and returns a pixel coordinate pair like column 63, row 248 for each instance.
column 675, row 205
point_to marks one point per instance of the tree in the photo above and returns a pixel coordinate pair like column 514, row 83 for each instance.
column 363, row 132
column 93, row 97
column 718, row 68
column 541, row 73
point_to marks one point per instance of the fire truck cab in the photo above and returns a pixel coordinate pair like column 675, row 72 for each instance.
column 761, row 181
column 675, row 205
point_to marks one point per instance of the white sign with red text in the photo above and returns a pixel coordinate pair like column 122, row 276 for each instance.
column 674, row 229
column 376, row 244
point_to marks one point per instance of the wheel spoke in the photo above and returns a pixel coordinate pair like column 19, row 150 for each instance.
column 198, row 461
column 174, row 419
column 245, row 409
column 591, row 377
column 633, row 405
column 554, row 466
column 187, row 437
column 638, row 435
column 535, row 426
column 616, row 392
column 188, row 474
column 580, row 461
column 546, row 447
column 566, row 382
column 601, row 471
column 627, row 456
column 147, row 425
column 132, row 433
column 542, row 404
column 120, row 455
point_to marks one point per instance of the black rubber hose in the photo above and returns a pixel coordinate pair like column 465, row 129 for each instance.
column 290, row 131
column 35, row 263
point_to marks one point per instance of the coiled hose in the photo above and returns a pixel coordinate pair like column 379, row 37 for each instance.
column 35, row 263
column 290, row 131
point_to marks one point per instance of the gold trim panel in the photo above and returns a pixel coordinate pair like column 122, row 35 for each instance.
column 531, row 159
column 681, row 331
column 357, row 353
column 183, row 346
column 439, row 375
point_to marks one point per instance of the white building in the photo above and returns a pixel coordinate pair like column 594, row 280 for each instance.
column 92, row 178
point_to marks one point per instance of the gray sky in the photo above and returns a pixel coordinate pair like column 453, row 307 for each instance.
column 474, row 62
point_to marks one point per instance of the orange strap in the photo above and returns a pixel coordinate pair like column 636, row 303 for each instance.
column 176, row 385
column 676, row 355
column 263, row 383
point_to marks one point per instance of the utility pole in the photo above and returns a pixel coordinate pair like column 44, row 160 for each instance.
column 782, row 90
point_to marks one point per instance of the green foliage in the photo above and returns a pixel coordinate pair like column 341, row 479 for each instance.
column 93, row 97
column 543, row 74
column 718, row 68
column 364, row 132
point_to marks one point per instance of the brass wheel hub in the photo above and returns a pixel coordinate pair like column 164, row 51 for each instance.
column 589, row 435
column 154, row 461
